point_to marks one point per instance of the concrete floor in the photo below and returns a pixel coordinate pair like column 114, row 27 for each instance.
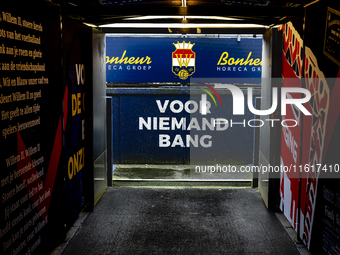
column 130, row 220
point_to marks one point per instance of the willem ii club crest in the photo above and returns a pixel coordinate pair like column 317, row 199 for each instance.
column 183, row 60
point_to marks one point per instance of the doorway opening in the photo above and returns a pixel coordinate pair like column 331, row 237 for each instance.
column 159, row 132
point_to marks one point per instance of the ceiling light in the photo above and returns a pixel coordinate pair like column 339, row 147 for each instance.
column 212, row 17
column 179, row 25
column 90, row 25
column 180, row 17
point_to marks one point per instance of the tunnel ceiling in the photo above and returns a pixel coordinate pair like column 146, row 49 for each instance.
column 259, row 12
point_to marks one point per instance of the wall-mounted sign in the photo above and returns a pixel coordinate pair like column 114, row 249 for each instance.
column 77, row 69
column 132, row 59
column 332, row 36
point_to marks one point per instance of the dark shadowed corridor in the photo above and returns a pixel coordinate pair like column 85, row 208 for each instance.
column 180, row 221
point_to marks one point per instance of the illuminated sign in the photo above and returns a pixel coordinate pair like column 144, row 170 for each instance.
column 176, row 60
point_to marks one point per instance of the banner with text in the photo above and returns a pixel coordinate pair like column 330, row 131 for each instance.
column 31, row 129
column 176, row 60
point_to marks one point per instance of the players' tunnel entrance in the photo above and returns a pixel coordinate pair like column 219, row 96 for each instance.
column 170, row 109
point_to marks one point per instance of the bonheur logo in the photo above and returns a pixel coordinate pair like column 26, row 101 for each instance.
column 227, row 63
column 206, row 118
column 128, row 62
column 183, row 60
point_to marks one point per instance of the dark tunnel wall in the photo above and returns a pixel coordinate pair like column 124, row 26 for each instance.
column 309, row 198
column 46, row 88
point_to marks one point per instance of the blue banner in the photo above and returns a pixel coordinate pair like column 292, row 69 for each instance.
column 176, row 60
